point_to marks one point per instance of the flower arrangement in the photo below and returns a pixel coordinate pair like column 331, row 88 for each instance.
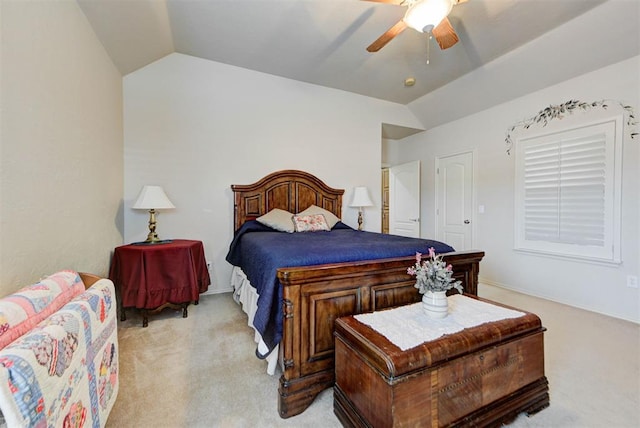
column 433, row 274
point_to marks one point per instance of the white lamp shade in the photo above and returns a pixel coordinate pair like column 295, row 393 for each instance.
column 427, row 14
column 152, row 197
column 361, row 197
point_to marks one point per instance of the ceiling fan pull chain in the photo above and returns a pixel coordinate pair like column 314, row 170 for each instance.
column 428, row 47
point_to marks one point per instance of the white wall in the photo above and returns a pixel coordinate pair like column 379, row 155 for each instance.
column 600, row 288
column 61, row 163
column 196, row 127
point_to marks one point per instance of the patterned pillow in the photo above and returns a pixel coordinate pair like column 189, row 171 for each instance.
column 22, row 310
column 278, row 219
column 330, row 217
column 310, row 223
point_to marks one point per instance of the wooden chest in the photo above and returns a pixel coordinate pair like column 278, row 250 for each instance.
column 480, row 376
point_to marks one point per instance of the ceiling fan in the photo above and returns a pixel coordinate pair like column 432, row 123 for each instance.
column 423, row 16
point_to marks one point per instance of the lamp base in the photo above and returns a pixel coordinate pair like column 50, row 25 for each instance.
column 152, row 237
column 360, row 220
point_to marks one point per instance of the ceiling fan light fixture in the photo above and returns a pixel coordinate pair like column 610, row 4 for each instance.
column 427, row 14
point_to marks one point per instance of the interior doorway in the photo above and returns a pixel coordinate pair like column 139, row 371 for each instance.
column 454, row 200
column 404, row 199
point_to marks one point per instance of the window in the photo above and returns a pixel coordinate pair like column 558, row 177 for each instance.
column 568, row 192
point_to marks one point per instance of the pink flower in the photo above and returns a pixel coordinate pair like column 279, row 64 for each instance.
column 433, row 274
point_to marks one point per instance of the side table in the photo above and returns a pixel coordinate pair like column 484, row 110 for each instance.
column 152, row 277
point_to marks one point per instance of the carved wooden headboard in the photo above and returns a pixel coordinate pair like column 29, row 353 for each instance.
column 289, row 190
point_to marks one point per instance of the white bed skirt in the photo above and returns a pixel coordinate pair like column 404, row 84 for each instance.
column 247, row 296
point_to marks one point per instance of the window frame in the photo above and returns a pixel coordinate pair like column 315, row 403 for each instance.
column 610, row 251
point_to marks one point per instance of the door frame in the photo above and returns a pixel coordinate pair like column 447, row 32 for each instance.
column 474, row 172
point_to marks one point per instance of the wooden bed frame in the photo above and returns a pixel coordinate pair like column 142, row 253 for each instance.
column 314, row 296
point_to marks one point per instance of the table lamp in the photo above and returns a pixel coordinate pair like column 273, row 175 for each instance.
column 152, row 198
column 360, row 200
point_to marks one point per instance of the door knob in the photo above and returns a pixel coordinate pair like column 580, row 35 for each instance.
column 467, row 222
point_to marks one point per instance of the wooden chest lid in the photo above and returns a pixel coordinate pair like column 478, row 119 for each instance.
column 392, row 362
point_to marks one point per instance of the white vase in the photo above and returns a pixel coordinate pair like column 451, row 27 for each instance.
column 435, row 304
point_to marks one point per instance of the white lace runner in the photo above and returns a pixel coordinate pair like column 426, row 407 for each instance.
column 409, row 326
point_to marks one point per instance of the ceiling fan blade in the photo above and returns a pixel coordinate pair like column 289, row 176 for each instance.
column 445, row 34
column 387, row 37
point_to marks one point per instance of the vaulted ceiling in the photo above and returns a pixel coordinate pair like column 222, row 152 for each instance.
column 323, row 41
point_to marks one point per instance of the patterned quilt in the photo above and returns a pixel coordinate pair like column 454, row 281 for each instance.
column 64, row 372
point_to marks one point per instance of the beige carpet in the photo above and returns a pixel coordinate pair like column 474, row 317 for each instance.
column 201, row 371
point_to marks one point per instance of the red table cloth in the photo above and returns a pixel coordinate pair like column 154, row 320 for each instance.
column 148, row 276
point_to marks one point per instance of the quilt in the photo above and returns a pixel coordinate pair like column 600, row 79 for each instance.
column 64, row 372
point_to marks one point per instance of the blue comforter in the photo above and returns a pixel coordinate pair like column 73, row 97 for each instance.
column 259, row 251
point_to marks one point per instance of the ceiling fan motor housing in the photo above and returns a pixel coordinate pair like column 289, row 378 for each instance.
column 424, row 15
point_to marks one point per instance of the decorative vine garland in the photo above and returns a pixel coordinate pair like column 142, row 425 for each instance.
column 569, row 107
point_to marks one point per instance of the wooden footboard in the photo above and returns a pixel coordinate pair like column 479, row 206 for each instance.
column 314, row 296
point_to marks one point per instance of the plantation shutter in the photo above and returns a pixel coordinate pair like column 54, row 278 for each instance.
column 567, row 192
column 564, row 191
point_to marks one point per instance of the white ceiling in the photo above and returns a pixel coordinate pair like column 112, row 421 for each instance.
column 323, row 41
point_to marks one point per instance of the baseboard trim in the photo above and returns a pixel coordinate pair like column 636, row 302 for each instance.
column 485, row 281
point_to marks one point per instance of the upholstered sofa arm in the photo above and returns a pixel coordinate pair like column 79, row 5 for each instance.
column 24, row 309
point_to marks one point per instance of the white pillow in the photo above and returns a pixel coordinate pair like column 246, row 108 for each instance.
column 330, row 217
column 278, row 219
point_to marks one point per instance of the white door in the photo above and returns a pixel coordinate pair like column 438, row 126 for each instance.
column 404, row 199
column 454, row 201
